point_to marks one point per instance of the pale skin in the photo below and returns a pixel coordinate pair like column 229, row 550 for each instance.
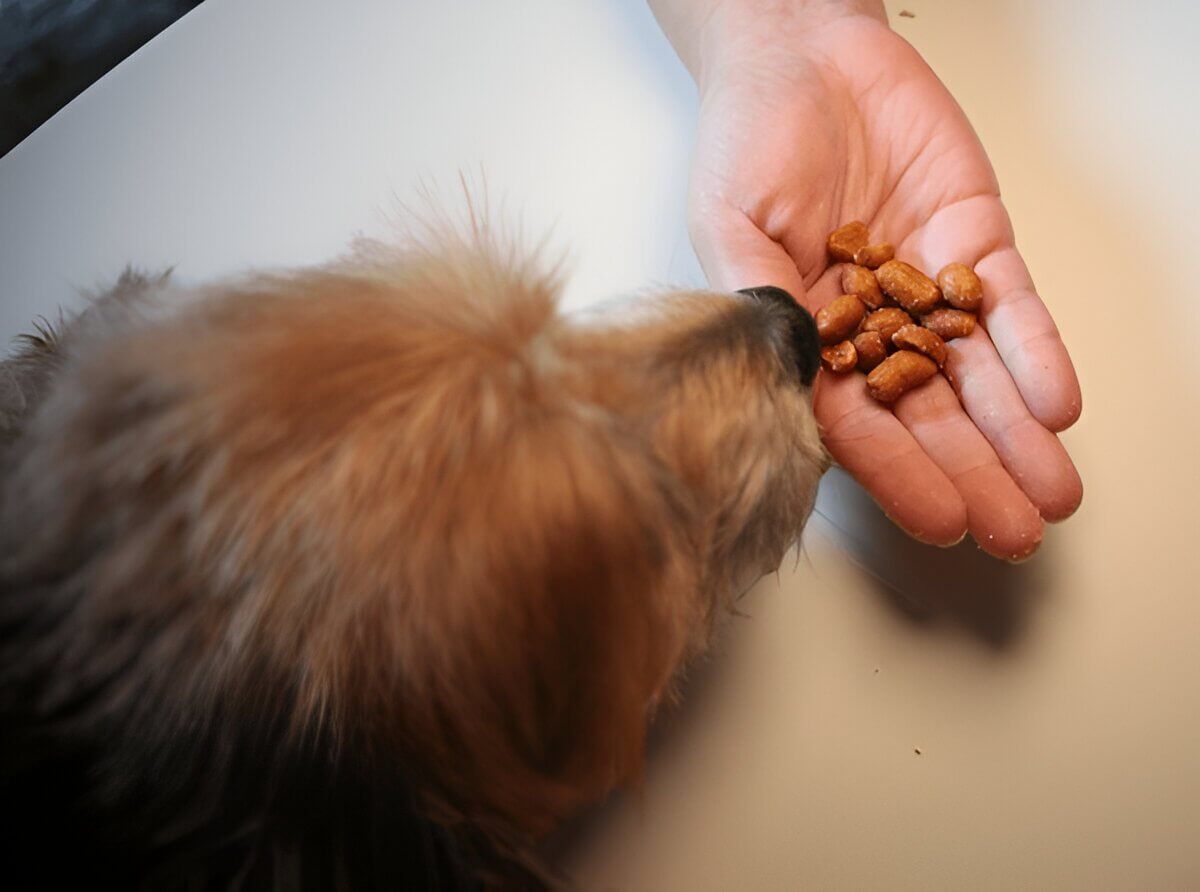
column 816, row 113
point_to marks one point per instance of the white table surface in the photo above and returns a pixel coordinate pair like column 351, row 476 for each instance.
column 1056, row 705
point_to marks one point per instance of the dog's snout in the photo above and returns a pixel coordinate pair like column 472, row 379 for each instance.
column 806, row 343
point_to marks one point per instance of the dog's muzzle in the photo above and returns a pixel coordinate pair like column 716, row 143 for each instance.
column 806, row 343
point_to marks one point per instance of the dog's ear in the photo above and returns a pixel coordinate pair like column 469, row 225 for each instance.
column 555, row 607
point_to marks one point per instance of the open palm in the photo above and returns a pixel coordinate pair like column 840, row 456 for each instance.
column 847, row 122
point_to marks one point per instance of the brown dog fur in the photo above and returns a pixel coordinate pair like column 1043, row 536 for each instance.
column 394, row 525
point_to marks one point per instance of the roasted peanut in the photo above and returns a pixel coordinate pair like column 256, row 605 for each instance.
column 887, row 322
column 840, row 357
column 871, row 350
column 961, row 287
column 860, row 281
column 845, row 240
column 838, row 319
column 887, row 342
column 910, row 287
column 899, row 373
column 874, row 256
column 914, row 337
column 949, row 324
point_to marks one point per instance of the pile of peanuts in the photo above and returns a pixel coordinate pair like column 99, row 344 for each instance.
column 892, row 321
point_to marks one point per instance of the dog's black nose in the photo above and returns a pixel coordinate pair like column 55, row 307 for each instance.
column 806, row 343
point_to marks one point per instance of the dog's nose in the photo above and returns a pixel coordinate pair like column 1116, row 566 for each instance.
column 806, row 343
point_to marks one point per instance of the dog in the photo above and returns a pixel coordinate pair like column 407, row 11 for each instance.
column 367, row 575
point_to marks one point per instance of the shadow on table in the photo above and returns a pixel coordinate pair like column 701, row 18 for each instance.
column 52, row 51
column 990, row 599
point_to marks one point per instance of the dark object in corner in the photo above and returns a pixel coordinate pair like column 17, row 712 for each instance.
column 53, row 50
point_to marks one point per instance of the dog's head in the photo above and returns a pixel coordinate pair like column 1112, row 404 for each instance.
column 718, row 388
column 403, row 504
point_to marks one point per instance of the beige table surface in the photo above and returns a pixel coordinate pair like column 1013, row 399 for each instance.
column 1056, row 705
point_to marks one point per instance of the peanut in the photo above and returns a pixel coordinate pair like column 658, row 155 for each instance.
column 874, row 256
column 910, row 287
column 914, row 337
column 887, row 322
column 845, row 240
column 871, row 350
column 838, row 319
column 961, row 287
column 949, row 324
column 898, row 374
column 860, row 281
column 855, row 337
column 840, row 357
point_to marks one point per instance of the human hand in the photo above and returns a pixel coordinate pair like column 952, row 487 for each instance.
column 816, row 114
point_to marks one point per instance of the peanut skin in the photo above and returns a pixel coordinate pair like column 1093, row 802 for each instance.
column 910, row 287
column 839, row 358
column 961, row 287
column 871, row 350
column 838, row 319
column 949, row 324
column 898, row 374
column 860, row 281
column 874, row 256
column 914, row 337
column 887, row 322
column 847, row 239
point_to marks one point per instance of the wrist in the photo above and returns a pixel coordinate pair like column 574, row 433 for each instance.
column 710, row 34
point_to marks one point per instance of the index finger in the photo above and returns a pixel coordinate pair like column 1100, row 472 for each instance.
column 883, row 455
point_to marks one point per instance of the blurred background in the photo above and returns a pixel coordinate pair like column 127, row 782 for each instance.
column 886, row 715
column 52, row 50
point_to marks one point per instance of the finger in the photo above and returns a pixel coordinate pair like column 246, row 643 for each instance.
column 1028, row 341
column 1033, row 455
column 868, row 441
column 977, row 231
column 1000, row 516
column 734, row 253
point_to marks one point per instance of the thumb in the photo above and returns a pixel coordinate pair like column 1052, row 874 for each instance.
column 736, row 254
